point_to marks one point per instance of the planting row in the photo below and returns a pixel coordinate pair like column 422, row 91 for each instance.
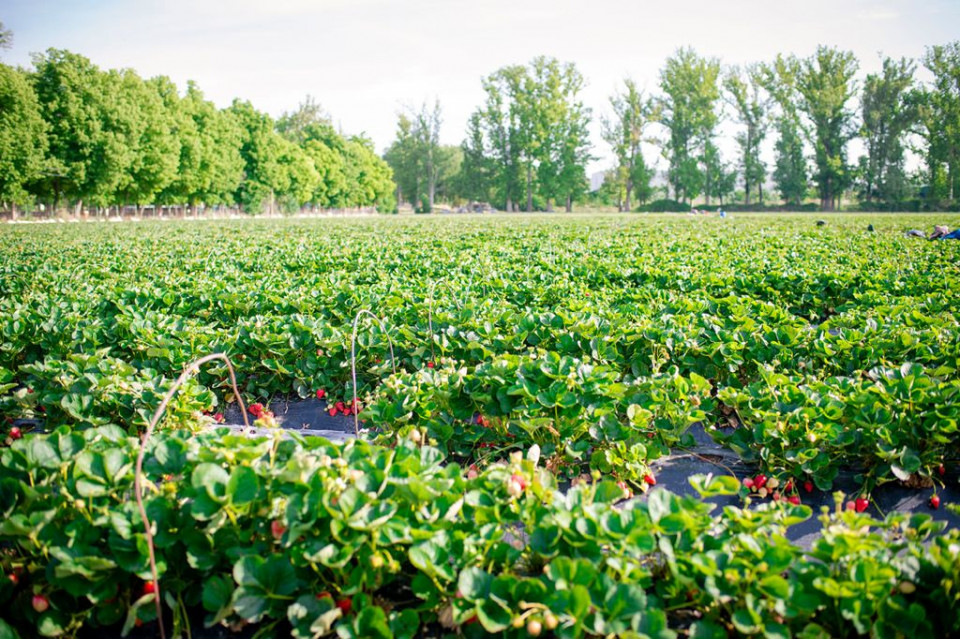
column 599, row 338
column 308, row 537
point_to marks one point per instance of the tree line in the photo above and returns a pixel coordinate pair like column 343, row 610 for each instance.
column 75, row 136
column 527, row 145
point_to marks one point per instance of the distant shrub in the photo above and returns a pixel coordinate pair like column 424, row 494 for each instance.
column 664, row 206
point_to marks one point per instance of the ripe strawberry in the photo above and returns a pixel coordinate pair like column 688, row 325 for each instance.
column 472, row 472
column 345, row 605
column 148, row 588
column 429, row 364
column 324, row 595
column 760, row 481
column 40, row 603
column 321, row 393
column 219, row 418
column 14, row 578
column 942, row 470
column 935, row 502
column 255, row 409
column 516, row 485
column 15, row 433
column 851, row 505
column 650, row 479
column 794, row 499
column 808, row 486
column 748, row 482
column 277, row 529
column 862, row 504
column 333, row 411
column 788, row 487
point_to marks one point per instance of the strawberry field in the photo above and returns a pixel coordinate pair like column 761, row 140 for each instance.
column 522, row 387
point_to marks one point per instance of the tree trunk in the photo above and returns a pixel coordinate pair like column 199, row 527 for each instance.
column 569, row 204
column 626, row 203
column 509, row 205
column 78, row 208
column 529, row 187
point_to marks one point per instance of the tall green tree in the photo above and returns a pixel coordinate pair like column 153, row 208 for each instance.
column 311, row 129
column 23, row 137
column 369, row 178
column 153, row 136
column 403, row 157
column 210, row 167
column 475, row 180
column 418, row 160
column 624, row 132
column 558, row 137
column 691, row 91
column 87, row 158
column 889, row 115
column 790, row 171
column 262, row 149
column 532, row 134
column 940, row 118
column 825, row 86
column 779, row 80
column 745, row 93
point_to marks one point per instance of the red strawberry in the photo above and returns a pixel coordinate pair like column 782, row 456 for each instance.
column 794, row 499
column 748, row 483
column 942, row 470
column 219, row 418
column 851, row 505
column 255, row 409
column 321, row 393
column 808, row 486
column 29, row 391
column 14, row 578
column 15, row 433
column 333, row 411
column 862, row 504
column 277, row 529
column 788, row 487
column 520, row 480
column 40, row 603
column 345, row 605
column 760, row 481
column 429, row 364
column 935, row 502
column 148, row 588
column 324, row 595
column 650, row 479
column 340, row 405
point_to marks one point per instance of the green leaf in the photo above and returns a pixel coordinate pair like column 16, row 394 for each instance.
column 243, row 486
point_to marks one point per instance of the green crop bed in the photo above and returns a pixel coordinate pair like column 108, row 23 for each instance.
column 511, row 353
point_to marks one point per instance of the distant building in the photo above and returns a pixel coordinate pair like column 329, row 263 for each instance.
column 596, row 181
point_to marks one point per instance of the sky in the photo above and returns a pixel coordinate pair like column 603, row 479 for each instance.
column 366, row 61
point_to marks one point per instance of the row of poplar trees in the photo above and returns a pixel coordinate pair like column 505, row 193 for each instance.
column 527, row 146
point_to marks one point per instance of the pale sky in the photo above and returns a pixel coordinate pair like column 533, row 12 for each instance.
column 364, row 61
